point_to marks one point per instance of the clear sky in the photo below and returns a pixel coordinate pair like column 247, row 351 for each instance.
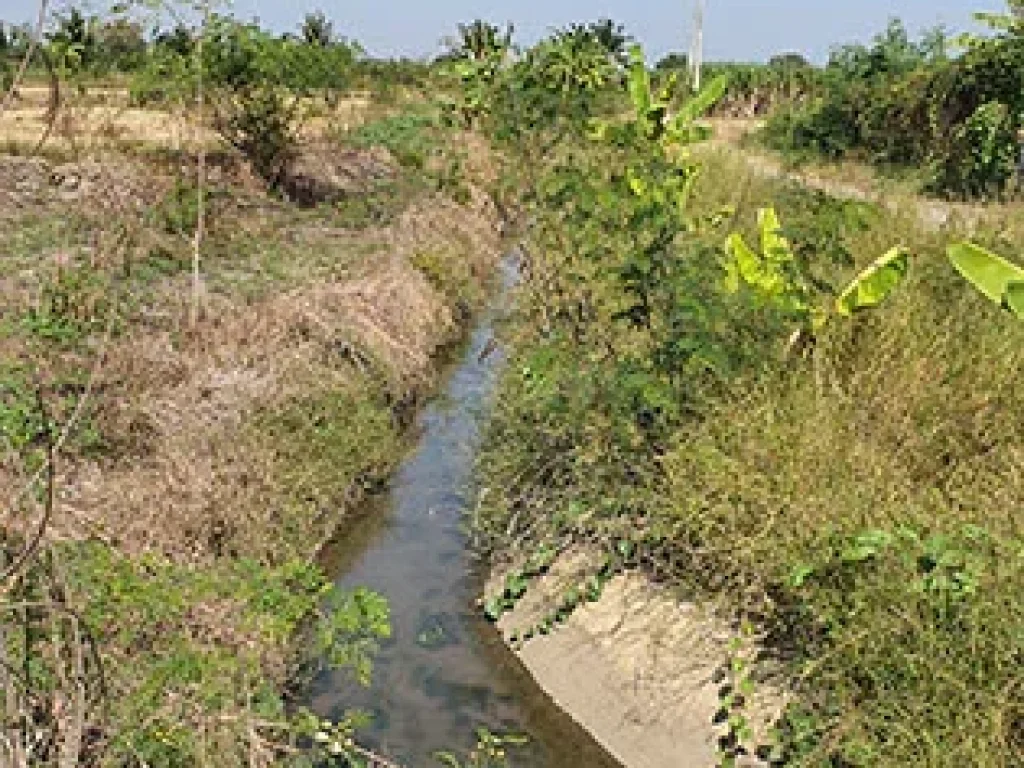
column 749, row 30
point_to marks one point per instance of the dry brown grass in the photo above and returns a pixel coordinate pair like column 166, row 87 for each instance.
column 104, row 121
column 190, row 477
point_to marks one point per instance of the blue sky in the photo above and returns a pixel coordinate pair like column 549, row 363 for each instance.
column 748, row 30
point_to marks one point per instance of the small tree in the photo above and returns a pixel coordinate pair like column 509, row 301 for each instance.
column 120, row 44
column 73, row 45
column 609, row 35
column 789, row 60
column 178, row 41
column 256, row 84
column 481, row 40
column 317, row 30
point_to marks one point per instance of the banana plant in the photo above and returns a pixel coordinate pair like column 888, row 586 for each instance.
column 773, row 275
column 1001, row 281
column 771, row 272
column 650, row 119
column 651, row 127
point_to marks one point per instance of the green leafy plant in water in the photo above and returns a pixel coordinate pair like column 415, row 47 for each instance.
column 332, row 743
column 351, row 629
column 491, row 751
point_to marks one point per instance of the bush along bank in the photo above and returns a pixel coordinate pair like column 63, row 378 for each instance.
column 952, row 121
column 785, row 405
column 157, row 564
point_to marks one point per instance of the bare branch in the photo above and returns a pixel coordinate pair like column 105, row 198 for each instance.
column 23, row 67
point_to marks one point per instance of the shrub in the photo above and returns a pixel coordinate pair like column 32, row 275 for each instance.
column 900, row 104
column 981, row 157
column 259, row 87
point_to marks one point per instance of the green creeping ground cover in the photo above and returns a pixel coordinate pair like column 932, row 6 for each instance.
column 765, row 397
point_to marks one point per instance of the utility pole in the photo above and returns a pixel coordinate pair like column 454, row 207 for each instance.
column 697, row 44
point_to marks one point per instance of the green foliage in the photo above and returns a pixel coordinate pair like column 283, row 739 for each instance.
column 752, row 89
column 326, row 447
column 734, row 698
column 317, row 30
column 491, row 751
column 872, row 286
column 75, row 303
column 476, row 66
column 184, row 650
column 955, row 121
column 998, row 279
column 22, row 424
column 259, row 85
column 73, row 45
column 178, row 212
column 771, row 272
column 982, row 157
column 553, row 88
column 262, row 85
column 775, row 276
column 857, row 502
column 586, row 589
column 350, row 630
column 481, row 40
column 412, row 137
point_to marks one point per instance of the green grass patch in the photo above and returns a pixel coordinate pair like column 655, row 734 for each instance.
column 189, row 651
column 328, row 448
column 421, row 144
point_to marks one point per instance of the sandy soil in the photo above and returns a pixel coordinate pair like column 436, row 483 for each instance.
column 638, row 669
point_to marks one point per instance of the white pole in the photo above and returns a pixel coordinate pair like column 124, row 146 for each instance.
column 697, row 44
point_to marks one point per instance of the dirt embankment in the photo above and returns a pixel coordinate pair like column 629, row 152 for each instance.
column 196, row 473
column 641, row 670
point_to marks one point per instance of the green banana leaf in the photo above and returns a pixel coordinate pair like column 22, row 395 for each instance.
column 752, row 268
column 773, row 244
column 872, row 286
column 998, row 279
column 698, row 106
column 639, row 82
column 1015, row 299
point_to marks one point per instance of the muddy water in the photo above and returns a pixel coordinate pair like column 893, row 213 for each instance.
column 445, row 671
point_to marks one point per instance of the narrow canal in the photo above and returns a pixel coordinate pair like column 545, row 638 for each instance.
column 445, row 671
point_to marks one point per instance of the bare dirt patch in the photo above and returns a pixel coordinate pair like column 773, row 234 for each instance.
column 638, row 669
